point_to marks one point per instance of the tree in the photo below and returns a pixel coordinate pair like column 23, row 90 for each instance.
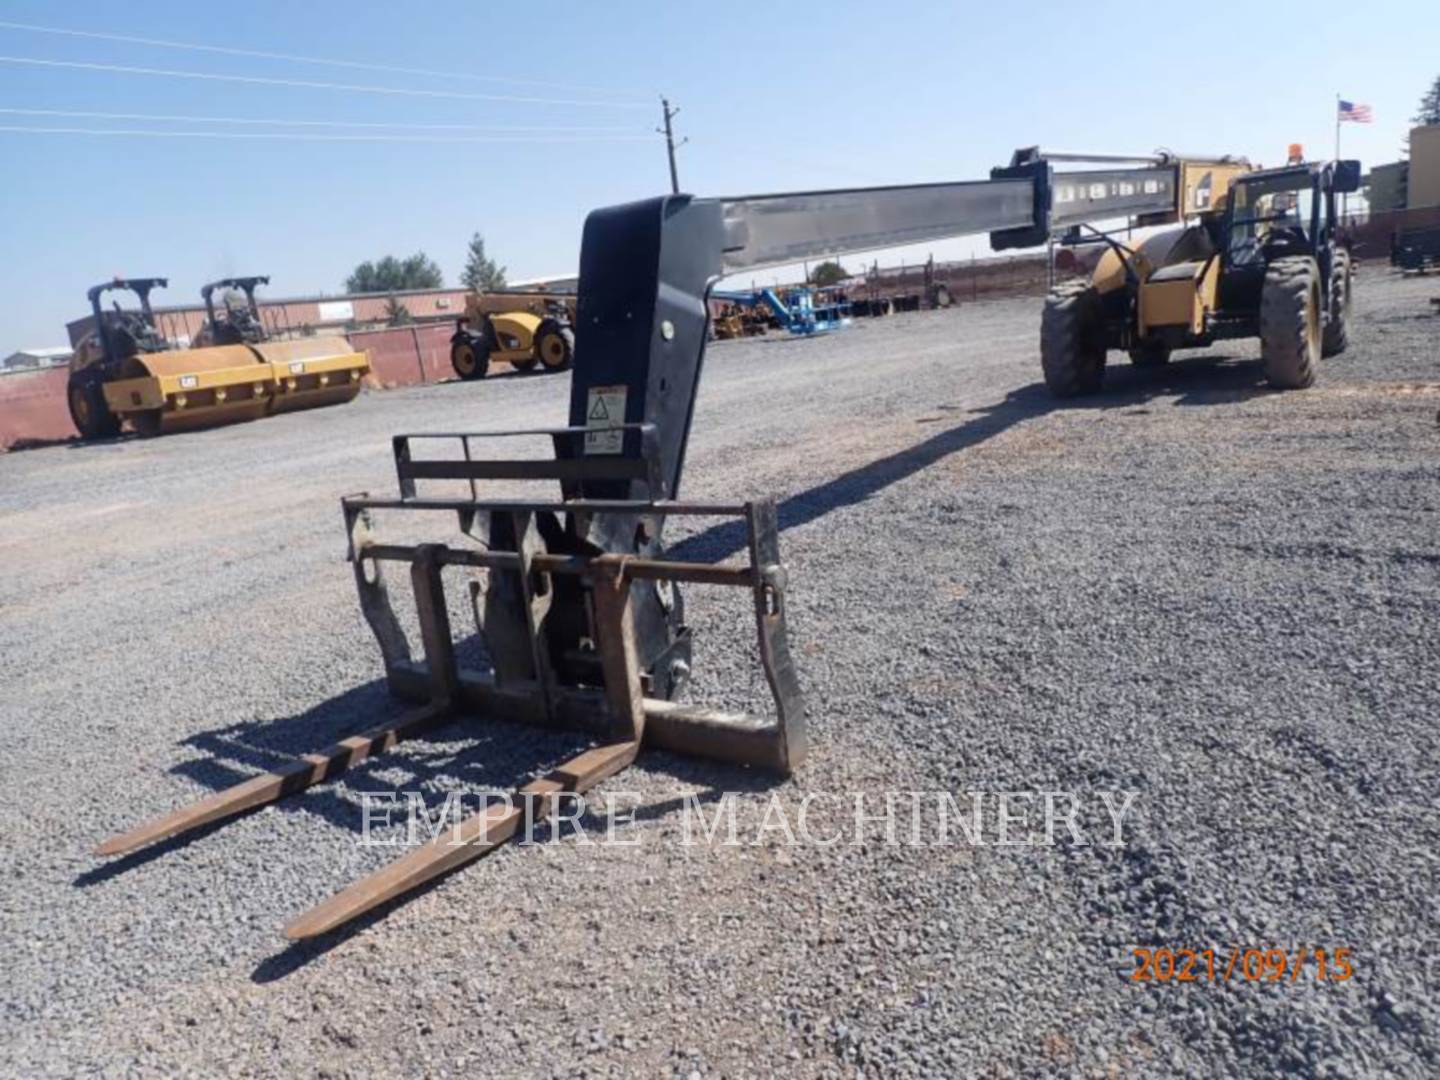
column 1429, row 105
column 828, row 273
column 481, row 273
column 395, row 275
column 396, row 313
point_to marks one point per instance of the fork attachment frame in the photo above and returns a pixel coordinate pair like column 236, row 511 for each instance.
column 562, row 590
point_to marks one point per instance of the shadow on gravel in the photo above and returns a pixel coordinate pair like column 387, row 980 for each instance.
column 466, row 755
column 1203, row 380
column 113, row 869
column 39, row 444
column 713, row 778
column 74, row 442
column 469, row 756
column 295, row 956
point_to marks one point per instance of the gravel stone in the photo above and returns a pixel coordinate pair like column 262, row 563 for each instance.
column 1222, row 598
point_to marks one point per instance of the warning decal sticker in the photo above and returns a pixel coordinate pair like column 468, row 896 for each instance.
column 605, row 408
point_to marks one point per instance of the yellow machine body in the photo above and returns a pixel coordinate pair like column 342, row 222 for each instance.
column 310, row 372
column 514, row 320
column 1178, row 275
column 1178, row 270
column 514, row 336
column 1181, row 296
column 1204, row 185
column 193, row 388
column 504, row 303
column 726, row 327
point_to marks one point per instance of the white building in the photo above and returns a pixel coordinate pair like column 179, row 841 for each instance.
column 33, row 359
column 552, row 283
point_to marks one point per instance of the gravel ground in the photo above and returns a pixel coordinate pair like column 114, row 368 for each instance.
column 1222, row 599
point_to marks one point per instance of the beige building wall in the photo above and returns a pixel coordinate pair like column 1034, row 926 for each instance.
column 1385, row 186
column 1424, row 183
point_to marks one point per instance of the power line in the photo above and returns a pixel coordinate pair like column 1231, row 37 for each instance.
column 307, row 84
column 306, row 137
column 89, row 115
column 264, row 55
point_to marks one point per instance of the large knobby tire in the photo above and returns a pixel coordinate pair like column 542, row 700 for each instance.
column 88, row 410
column 469, row 357
column 1290, row 322
column 1337, row 330
column 555, row 345
column 1072, row 341
column 1150, row 355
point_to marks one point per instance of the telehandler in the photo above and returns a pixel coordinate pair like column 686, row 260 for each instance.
column 575, row 596
column 1265, row 260
column 519, row 329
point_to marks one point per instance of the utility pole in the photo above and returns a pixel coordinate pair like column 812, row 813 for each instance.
column 670, row 143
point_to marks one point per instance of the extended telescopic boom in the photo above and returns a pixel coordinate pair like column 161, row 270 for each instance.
column 646, row 268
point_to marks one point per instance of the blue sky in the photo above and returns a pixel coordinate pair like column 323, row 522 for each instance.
column 773, row 97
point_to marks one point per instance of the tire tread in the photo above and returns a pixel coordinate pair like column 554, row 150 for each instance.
column 1289, row 357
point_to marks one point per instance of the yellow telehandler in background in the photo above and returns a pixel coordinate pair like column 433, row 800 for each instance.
column 520, row 329
column 1263, row 258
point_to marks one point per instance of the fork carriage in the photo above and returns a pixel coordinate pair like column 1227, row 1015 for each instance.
column 564, row 616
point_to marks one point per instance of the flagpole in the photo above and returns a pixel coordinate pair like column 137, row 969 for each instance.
column 1344, row 198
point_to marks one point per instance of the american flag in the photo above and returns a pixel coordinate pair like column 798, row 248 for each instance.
column 1356, row 114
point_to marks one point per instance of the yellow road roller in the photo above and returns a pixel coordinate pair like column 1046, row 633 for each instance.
column 125, row 371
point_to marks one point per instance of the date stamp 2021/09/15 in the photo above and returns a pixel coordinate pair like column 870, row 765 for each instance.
column 1248, row 965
